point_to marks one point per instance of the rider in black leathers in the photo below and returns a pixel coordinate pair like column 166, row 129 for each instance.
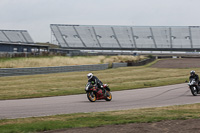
column 193, row 75
column 95, row 81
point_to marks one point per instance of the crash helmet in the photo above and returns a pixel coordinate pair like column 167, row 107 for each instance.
column 89, row 75
column 192, row 73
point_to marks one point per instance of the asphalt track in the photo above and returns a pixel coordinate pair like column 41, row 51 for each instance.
column 130, row 99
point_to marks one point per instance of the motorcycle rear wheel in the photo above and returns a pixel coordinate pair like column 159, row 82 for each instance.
column 109, row 96
column 91, row 96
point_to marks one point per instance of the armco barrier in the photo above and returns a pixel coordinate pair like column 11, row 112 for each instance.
column 45, row 70
column 116, row 65
column 140, row 63
column 59, row 69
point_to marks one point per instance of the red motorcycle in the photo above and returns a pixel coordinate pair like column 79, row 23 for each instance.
column 94, row 93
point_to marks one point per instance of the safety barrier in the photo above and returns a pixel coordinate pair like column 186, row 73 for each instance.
column 60, row 69
column 46, row 70
column 116, row 65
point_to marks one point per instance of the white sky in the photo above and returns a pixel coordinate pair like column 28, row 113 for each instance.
column 37, row 15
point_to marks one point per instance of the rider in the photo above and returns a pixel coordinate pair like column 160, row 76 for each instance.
column 194, row 76
column 94, row 80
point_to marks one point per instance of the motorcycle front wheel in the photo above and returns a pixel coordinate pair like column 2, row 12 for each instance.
column 109, row 96
column 91, row 96
column 193, row 90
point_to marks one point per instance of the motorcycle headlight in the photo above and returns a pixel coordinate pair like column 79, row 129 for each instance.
column 86, row 88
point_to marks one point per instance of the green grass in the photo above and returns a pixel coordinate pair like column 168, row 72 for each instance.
column 99, row 118
column 74, row 82
column 63, row 61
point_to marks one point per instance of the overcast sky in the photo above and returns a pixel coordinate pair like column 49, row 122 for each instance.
column 35, row 16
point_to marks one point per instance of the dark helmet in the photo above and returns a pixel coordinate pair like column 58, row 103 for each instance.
column 192, row 73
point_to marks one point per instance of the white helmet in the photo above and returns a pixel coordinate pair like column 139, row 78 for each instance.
column 89, row 75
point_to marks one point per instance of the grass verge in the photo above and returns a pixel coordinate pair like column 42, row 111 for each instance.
column 58, row 84
column 37, row 124
column 64, row 61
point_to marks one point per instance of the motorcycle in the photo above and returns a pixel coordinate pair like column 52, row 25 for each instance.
column 194, row 87
column 94, row 93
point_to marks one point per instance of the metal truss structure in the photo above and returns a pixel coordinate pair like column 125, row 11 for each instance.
column 156, row 38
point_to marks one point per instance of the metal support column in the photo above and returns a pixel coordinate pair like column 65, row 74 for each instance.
column 79, row 36
column 190, row 33
column 6, row 36
column 115, row 36
column 24, row 36
column 61, row 36
column 52, row 34
column 170, row 37
column 154, row 41
column 96, row 37
column 129, row 36
column 133, row 36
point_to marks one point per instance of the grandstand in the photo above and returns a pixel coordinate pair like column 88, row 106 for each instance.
column 15, row 41
column 15, row 36
column 151, row 38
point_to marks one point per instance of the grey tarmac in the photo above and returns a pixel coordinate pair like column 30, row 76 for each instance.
column 178, row 94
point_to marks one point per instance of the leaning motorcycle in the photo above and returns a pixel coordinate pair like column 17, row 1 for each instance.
column 94, row 93
column 194, row 87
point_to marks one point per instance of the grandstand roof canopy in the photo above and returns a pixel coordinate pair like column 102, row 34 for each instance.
column 15, row 36
column 178, row 38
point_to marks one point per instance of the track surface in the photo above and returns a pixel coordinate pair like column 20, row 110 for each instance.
column 139, row 98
